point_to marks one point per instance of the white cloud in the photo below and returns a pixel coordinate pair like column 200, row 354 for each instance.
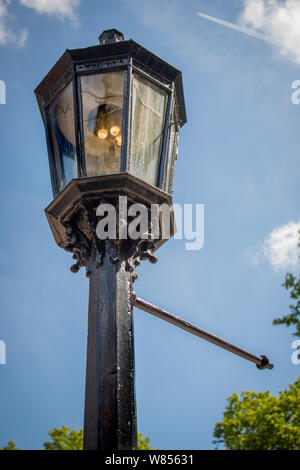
column 280, row 248
column 6, row 34
column 61, row 8
column 278, row 19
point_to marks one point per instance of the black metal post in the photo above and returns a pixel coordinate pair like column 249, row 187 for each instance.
column 109, row 420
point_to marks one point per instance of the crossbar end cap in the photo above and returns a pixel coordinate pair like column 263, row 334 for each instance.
column 265, row 363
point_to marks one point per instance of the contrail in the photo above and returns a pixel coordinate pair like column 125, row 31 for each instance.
column 241, row 29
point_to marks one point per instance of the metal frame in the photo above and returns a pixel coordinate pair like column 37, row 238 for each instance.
column 51, row 157
column 162, row 169
column 152, row 78
column 61, row 84
column 126, row 125
column 168, row 185
column 78, row 125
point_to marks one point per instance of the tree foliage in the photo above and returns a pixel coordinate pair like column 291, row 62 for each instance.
column 65, row 439
column 292, row 284
column 261, row 421
column 10, row 446
column 143, row 442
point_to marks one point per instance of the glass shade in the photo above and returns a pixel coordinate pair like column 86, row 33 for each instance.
column 147, row 124
column 102, row 112
column 61, row 121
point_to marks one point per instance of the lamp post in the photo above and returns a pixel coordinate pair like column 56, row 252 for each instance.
column 112, row 115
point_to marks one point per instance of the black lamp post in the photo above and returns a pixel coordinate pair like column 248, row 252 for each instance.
column 112, row 115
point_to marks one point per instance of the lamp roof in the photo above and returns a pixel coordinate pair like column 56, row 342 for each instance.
column 117, row 49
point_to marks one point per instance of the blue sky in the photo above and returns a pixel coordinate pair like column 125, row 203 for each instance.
column 238, row 155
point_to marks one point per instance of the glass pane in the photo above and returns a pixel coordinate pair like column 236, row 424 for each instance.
column 148, row 111
column 102, row 104
column 172, row 155
column 61, row 116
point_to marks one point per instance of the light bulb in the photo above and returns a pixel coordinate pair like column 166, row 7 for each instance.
column 119, row 141
column 114, row 130
column 102, row 133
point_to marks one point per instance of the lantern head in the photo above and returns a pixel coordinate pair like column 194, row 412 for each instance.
column 112, row 109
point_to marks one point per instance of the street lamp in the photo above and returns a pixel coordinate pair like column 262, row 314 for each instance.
column 112, row 115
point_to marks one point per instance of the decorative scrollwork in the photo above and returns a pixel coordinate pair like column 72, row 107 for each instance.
column 81, row 239
column 143, row 250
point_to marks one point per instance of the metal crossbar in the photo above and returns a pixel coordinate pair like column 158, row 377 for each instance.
column 262, row 362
